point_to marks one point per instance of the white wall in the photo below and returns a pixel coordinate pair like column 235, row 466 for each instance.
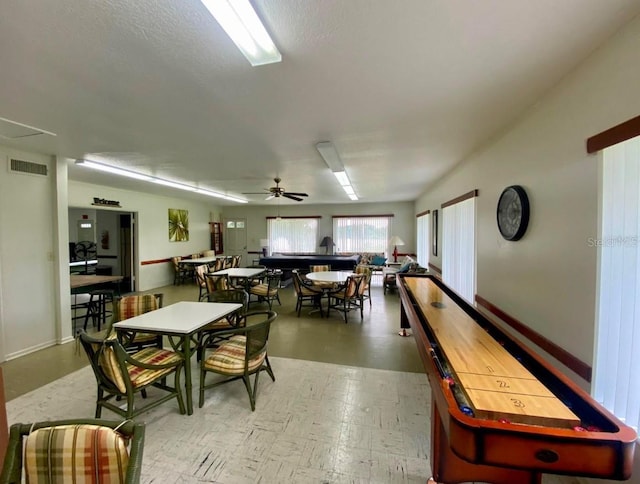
column 403, row 224
column 152, row 227
column 27, row 253
column 548, row 279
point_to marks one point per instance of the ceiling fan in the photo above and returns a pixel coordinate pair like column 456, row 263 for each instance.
column 278, row 191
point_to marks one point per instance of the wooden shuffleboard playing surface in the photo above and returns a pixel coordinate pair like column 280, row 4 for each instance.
column 495, row 383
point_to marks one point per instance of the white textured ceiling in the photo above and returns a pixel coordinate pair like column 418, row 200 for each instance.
column 404, row 89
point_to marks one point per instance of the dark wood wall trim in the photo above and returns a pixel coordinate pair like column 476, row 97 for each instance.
column 622, row 132
column 271, row 217
column 461, row 198
column 155, row 261
column 426, row 212
column 364, row 216
column 435, row 268
column 563, row 356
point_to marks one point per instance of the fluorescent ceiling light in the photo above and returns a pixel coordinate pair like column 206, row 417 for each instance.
column 160, row 181
column 240, row 21
column 342, row 177
column 113, row 169
column 332, row 159
column 330, row 155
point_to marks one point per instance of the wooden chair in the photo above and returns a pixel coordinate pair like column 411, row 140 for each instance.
column 349, row 296
column 241, row 354
column 267, row 291
column 122, row 375
column 306, row 292
column 218, row 264
column 74, row 451
column 235, row 260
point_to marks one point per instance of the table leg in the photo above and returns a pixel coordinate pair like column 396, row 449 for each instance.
column 186, row 351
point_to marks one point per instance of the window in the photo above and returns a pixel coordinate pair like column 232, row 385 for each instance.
column 459, row 246
column 617, row 351
column 292, row 234
column 362, row 234
column 422, row 232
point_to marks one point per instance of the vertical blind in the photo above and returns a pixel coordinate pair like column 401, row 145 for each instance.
column 459, row 248
column 361, row 234
column 422, row 232
column 617, row 351
column 292, row 235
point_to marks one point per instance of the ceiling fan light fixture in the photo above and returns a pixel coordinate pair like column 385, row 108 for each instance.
column 241, row 23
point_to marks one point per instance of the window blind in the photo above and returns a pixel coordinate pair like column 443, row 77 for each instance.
column 617, row 348
column 422, row 234
column 361, row 234
column 459, row 247
column 292, row 235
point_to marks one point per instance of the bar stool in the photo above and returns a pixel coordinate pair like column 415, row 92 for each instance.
column 97, row 307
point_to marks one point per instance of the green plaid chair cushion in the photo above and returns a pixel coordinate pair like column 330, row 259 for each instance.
column 138, row 376
column 228, row 358
column 131, row 306
column 75, row 454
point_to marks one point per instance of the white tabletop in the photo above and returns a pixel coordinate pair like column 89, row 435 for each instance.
column 202, row 260
column 240, row 271
column 183, row 317
column 329, row 276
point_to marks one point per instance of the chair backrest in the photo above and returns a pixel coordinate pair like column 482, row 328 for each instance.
column 208, row 253
column 218, row 264
column 235, row 260
column 362, row 269
column 176, row 263
column 354, row 285
column 137, row 304
column 107, row 358
column 228, row 260
column 239, row 296
column 273, row 280
column 216, row 282
column 258, row 325
column 297, row 281
column 195, row 256
column 82, row 449
column 320, row 268
column 201, row 270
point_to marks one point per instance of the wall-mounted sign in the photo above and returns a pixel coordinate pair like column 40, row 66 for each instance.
column 103, row 202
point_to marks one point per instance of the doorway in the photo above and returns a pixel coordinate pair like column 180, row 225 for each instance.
column 235, row 237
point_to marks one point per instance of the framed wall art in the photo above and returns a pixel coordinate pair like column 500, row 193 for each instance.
column 178, row 225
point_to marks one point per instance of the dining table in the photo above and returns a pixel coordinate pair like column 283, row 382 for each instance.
column 180, row 322
column 328, row 281
column 243, row 274
column 201, row 260
column 81, row 283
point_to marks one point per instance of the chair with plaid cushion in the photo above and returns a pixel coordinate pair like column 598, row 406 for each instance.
column 85, row 450
column 348, row 297
column 123, row 375
column 215, row 282
column 230, row 321
column 135, row 305
column 267, row 291
column 201, row 270
column 242, row 353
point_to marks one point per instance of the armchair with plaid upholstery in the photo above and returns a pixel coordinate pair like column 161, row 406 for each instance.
column 75, row 450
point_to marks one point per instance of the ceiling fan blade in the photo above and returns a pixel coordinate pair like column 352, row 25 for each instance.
column 288, row 195
column 298, row 194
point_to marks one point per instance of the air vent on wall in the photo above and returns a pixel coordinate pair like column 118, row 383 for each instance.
column 28, row 167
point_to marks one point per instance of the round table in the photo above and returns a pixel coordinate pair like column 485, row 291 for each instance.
column 326, row 281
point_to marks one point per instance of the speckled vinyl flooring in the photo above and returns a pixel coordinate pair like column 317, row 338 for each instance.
column 317, row 423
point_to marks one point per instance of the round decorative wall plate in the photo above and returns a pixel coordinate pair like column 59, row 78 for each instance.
column 512, row 213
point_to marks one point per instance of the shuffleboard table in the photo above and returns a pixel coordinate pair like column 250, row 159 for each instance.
column 500, row 412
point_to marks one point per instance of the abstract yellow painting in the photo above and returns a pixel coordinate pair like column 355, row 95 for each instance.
column 178, row 225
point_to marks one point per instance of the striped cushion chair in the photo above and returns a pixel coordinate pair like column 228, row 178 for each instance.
column 322, row 268
column 267, row 291
column 238, row 353
column 80, row 451
column 123, row 375
column 366, row 270
column 349, row 296
column 135, row 305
